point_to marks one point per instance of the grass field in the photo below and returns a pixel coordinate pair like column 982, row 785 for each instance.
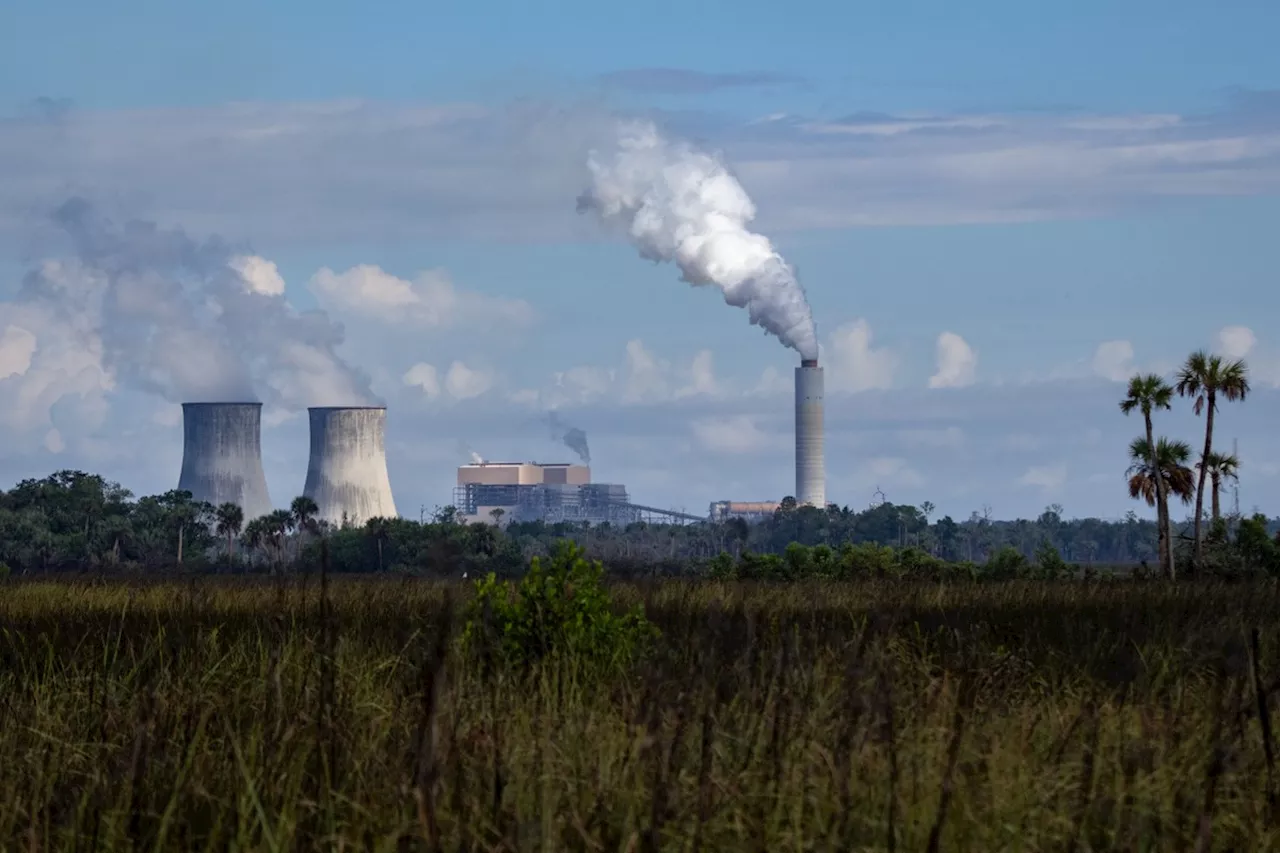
column 872, row 716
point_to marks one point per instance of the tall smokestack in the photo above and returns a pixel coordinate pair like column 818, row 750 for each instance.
column 222, row 455
column 811, row 487
column 347, row 472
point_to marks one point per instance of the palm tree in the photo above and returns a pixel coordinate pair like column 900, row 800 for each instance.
column 302, row 513
column 1170, row 470
column 229, row 518
column 279, row 526
column 1207, row 377
column 255, row 534
column 304, row 510
column 1222, row 467
column 1147, row 393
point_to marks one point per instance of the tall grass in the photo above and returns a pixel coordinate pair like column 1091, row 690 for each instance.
column 873, row 716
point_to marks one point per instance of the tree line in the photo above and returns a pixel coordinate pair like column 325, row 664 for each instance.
column 76, row 521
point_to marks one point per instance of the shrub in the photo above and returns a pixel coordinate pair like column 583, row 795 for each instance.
column 4, row 570
column 868, row 559
column 1007, row 563
column 1049, row 563
column 559, row 608
column 723, row 567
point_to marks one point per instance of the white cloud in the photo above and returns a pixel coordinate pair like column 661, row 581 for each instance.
column 259, row 275
column 50, row 357
column 1113, row 361
column 1236, row 341
column 397, row 172
column 17, row 346
column 735, row 434
column 1048, row 478
column 890, row 471
column 431, row 300
column 53, row 441
column 772, row 383
column 465, row 383
column 853, row 365
column 644, row 375
column 957, row 362
column 425, row 377
column 459, row 381
column 702, row 377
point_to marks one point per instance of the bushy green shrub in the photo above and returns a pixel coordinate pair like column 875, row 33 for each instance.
column 560, row 607
column 1006, row 564
column 1049, row 563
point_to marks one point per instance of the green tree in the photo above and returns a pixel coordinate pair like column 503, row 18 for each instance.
column 1205, row 378
column 303, row 511
column 561, row 606
column 1148, row 393
column 229, row 518
column 1170, row 470
column 380, row 529
column 1222, row 467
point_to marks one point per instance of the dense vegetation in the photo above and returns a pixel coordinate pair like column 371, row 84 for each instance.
column 72, row 521
column 303, row 715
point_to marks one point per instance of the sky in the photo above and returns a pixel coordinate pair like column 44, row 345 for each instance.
column 997, row 212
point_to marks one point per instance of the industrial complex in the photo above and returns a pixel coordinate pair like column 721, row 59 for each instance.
column 347, row 470
column 506, row 492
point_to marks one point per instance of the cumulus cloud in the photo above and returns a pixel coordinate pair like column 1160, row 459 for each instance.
column 424, row 377
column 430, row 300
column 458, row 382
column 258, row 274
column 17, row 346
column 853, row 364
column 888, row 472
column 1236, row 341
column 1048, row 478
column 736, row 434
column 465, row 383
column 1113, row 361
column 957, row 362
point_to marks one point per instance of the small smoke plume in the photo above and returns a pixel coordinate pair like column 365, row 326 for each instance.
column 192, row 320
column 465, row 451
column 680, row 204
column 572, row 437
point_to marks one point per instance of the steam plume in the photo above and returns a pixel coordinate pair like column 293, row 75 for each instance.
column 573, row 438
column 680, row 204
column 192, row 320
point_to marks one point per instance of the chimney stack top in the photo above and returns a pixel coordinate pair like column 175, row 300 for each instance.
column 808, row 362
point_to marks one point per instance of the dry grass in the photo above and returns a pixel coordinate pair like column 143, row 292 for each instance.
column 220, row 716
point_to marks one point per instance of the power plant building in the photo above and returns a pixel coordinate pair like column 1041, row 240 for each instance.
column 222, row 456
column 556, row 492
column 750, row 511
column 347, row 471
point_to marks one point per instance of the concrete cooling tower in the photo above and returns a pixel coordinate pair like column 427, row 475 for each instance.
column 222, row 455
column 811, row 486
column 347, row 473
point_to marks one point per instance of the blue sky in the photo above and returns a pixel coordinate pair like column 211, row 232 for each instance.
column 1075, row 193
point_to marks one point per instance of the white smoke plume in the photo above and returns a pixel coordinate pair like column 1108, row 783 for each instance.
column 679, row 204
column 189, row 320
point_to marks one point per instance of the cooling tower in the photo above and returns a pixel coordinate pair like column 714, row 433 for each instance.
column 222, row 455
column 810, row 480
column 347, row 473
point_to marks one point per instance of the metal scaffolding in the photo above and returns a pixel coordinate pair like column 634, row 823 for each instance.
column 592, row 503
